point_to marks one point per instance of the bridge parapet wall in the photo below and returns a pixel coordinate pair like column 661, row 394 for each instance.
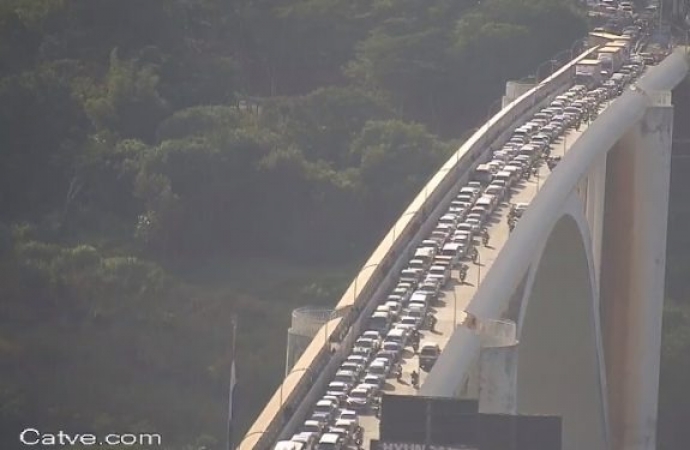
column 332, row 343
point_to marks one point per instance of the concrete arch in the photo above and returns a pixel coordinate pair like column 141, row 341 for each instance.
column 559, row 356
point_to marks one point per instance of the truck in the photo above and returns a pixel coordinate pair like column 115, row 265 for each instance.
column 588, row 72
column 483, row 174
column 611, row 58
column 624, row 45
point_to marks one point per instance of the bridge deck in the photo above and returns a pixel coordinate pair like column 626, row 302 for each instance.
column 454, row 300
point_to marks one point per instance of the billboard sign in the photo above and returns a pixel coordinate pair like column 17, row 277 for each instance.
column 382, row 445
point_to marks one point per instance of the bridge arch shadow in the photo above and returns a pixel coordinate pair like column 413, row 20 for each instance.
column 559, row 353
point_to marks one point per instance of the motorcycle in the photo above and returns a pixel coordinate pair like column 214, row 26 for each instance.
column 463, row 273
column 415, row 380
column 398, row 372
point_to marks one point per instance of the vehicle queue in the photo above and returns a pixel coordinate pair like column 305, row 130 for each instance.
column 393, row 332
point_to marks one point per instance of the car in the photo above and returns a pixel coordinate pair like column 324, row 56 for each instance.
column 379, row 322
column 371, row 344
column 440, row 272
column 464, row 226
column 464, row 238
column 331, row 441
column 359, row 397
column 352, row 367
column 390, row 357
column 325, row 408
column 474, row 184
column 313, row 426
column 309, row 440
column 397, row 335
column 339, row 390
column 370, row 334
column 374, row 380
column 344, row 433
column 380, row 367
column 518, row 209
column 349, row 415
column 399, row 295
column 351, row 426
column 358, row 359
column 421, row 298
column 417, row 313
column 411, row 275
column 453, row 251
column 478, row 217
column 428, row 354
column 364, row 351
column 408, row 322
column 429, row 243
column 393, row 348
column 429, row 288
column 475, row 224
column 347, row 377
column 450, row 219
column 289, row 445
column 492, row 189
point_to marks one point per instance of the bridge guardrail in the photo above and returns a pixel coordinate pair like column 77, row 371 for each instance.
column 300, row 390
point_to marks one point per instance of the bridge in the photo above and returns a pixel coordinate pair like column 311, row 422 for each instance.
column 560, row 316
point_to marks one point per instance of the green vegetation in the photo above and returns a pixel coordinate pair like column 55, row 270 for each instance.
column 167, row 163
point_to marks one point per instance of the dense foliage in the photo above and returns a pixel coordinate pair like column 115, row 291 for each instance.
column 147, row 147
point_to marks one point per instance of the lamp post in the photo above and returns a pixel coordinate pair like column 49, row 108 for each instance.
column 396, row 222
column 554, row 65
column 301, row 369
column 455, row 309
column 479, row 268
column 239, row 447
column 368, row 266
column 331, row 316
column 576, row 47
column 490, row 112
column 562, row 56
column 537, row 78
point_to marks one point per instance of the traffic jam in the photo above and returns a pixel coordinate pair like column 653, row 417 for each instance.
column 395, row 332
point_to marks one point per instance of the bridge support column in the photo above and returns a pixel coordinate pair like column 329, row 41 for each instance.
column 633, row 269
column 594, row 209
column 498, row 370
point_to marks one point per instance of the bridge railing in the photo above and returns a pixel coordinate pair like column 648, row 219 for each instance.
column 331, row 345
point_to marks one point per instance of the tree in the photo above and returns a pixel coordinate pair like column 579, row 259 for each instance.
column 129, row 103
column 323, row 123
column 396, row 159
column 674, row 400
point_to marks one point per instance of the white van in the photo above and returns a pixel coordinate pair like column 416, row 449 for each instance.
column 380, row 322
column 454, row 251
column 397, row 335
column 383, row 309
column 505, row 177
column 487, row 201
column 289, row 445
column 330, row 441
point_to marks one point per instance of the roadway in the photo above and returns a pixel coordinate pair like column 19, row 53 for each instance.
column 454, row 300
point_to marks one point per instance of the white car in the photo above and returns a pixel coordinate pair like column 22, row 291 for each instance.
column 442, row 273
column 378, row 367
column 338, row 389
column 408, row 323
column 359, row 397
column 475, row 224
